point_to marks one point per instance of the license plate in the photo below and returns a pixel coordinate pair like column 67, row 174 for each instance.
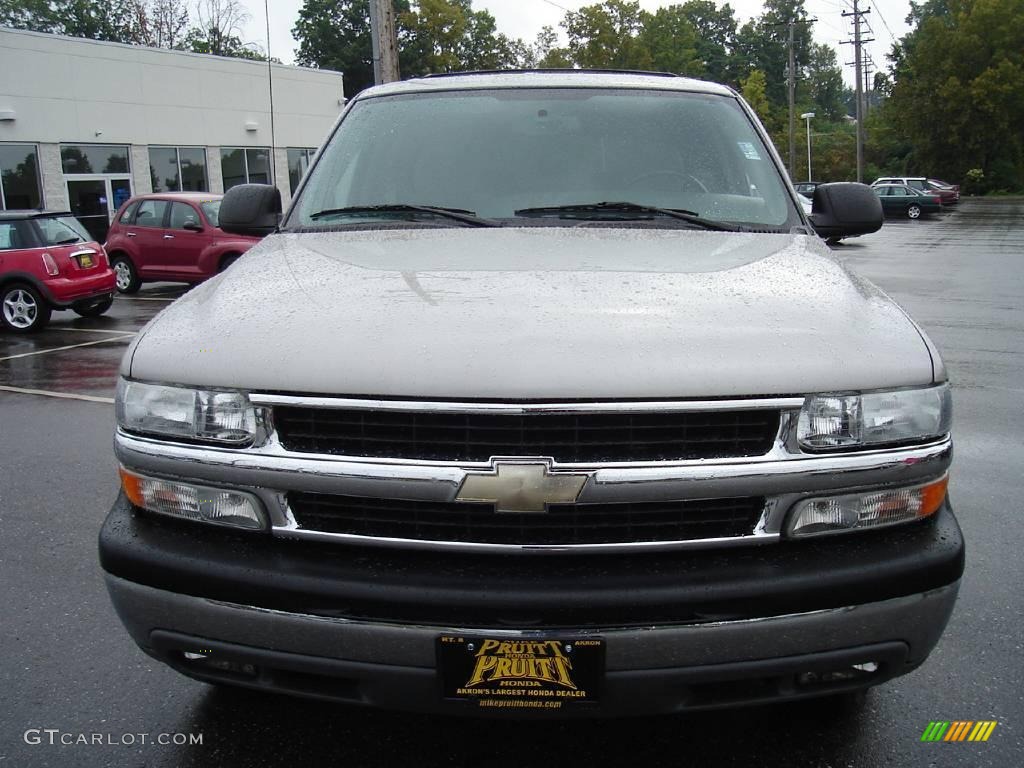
column 519, row 674
column 86, row 261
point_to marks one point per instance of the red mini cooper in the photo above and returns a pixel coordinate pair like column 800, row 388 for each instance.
column 174, row 237
column 48, row 261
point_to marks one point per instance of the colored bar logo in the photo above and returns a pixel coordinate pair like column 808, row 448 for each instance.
column 958, row 730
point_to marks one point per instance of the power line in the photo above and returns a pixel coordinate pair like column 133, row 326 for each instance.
column 885, row 23
column 556, row 5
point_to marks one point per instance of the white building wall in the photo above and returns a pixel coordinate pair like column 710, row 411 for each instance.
column 70, row 90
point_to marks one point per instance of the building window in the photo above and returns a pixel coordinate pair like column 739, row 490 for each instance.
column 298, row 164
column 19, row 177
column 245, row 166
column 94, row 158
column 178, row 169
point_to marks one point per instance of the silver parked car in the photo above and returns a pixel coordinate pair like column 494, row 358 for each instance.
column 545, row 394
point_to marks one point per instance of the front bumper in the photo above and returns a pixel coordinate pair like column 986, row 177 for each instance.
column 682, row 630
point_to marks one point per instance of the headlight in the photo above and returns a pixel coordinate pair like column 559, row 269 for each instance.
column 226, row 418
column 834, row 422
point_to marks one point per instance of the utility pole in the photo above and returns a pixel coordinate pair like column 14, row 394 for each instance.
column 385, row 45
column 858, row 42
column 791, row 83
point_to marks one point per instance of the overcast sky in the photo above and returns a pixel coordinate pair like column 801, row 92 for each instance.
column 524, row 18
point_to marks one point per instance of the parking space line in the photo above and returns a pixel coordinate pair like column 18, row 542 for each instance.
column 62, row 395
column 69, row 346
column 93, row 330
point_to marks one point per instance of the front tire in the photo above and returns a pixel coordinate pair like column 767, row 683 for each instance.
column 914, row 211
column 23, row 309
column 94, row 309
column 128, row 280
column 228, row 260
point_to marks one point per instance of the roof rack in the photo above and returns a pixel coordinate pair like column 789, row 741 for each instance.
column 558, row 70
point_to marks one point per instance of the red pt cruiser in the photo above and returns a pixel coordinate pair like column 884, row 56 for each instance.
column 173, row 237
column 48, row 261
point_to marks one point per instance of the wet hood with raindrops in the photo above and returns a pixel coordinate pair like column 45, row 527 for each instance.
column 590, row 312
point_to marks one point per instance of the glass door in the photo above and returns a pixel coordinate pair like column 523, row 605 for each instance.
column 94, row 201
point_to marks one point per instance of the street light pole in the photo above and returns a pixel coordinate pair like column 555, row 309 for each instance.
column 807, row 116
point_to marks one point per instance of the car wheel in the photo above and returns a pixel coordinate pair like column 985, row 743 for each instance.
column 228, row 260
column 22, row 309
column 914, row 211
column 127, row 276
column 95, row 308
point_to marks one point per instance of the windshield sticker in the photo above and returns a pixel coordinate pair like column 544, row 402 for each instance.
column 749, row 150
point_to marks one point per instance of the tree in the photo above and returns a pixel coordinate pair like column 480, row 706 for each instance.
column 762, row 43
column 824, row 82
column 715, row 29
column 607, row 36
column 163, row 23
column 754, row 91
column 958, row 92
column 335, row 34
column 111, row 20
column 671, row 41
column 546, row 53
column 218, row 30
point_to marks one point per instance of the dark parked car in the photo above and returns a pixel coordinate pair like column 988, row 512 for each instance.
column 49, row 262
column 902, row 200
column 806, row 188
column 173, row 237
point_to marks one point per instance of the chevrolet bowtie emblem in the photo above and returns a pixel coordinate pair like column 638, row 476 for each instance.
column 521, row 487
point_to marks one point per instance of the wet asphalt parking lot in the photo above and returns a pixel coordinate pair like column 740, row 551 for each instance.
column 66, row 663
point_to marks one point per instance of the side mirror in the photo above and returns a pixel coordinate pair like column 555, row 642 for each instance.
column 845, row 209
column 251, row 209
column 192, row 226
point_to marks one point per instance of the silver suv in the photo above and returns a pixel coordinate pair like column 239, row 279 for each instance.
column 543, row 397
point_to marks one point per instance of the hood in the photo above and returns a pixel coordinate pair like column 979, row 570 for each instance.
column 543, row 312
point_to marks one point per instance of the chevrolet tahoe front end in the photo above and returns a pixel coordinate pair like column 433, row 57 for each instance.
column 584, row 460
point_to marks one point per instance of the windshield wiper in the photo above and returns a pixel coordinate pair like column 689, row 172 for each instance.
column 457, row 214
column 595, row 210
column 70, row 240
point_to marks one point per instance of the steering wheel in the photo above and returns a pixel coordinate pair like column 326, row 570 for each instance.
column 688, row 180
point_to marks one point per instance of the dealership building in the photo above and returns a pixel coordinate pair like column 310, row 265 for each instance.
column 84, row 124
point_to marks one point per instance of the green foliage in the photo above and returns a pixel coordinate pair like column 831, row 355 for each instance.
column 671, row 41
column 754, row 89
column 335, row 34
column 823, row 83
column 715, row 29
column 958, row 93
column 607, row 36
column 433, row 36
column 155, row 23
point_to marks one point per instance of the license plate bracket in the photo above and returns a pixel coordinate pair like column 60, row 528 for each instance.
column 517, row 674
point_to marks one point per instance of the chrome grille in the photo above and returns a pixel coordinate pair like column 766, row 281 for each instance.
column 579, row 437
column 562, row 524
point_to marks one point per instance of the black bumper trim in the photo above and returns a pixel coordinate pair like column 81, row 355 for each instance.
column 473, row 590
column 624, row 692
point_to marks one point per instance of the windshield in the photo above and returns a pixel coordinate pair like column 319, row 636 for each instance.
column 211, row 209
column 61, row 230
column 496, row 152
